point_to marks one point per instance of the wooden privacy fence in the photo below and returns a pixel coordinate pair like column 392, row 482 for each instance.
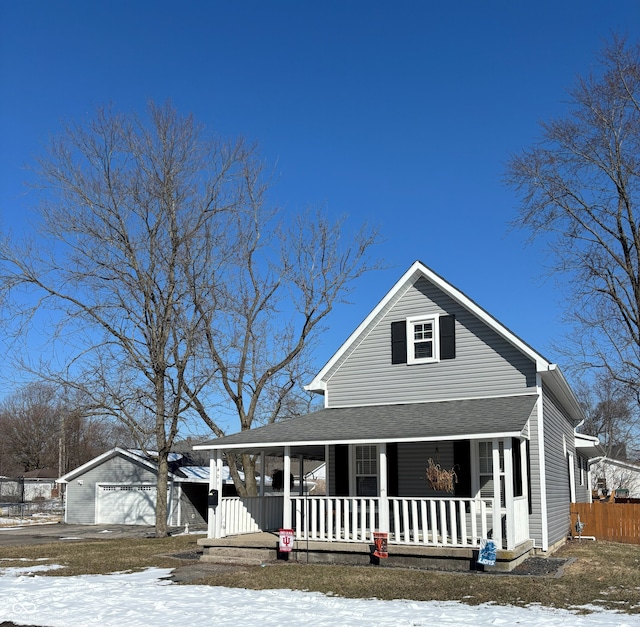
column 617, row 522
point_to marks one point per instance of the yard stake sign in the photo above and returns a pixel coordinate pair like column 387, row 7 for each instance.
column 286, row 540
column 380, row 539
column 487, row 554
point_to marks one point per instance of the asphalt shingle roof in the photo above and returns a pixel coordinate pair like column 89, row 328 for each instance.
column 414, row 421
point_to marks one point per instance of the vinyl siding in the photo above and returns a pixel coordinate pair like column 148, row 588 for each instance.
column 535, row 494
column 485, row 363
column 582, row 491
column 412, row 467
column 81, row 499
column 558, row 434
column 193, row 504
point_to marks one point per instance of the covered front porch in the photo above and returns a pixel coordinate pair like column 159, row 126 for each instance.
column 377, row 486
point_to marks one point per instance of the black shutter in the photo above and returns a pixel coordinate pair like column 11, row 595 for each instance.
column 462, row 466
column 392, row 470
column 399, row 342
column 517, row 467
column 342, row 470
column 447, row 337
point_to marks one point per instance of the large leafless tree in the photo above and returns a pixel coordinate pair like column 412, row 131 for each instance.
column 579, row 187
column 176, row 290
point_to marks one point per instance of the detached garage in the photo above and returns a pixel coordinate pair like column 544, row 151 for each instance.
column 120, row 487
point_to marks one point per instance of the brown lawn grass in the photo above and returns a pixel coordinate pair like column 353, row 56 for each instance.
column 604, row 574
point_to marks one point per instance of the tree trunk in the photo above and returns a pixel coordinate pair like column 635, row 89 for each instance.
column 161, row 505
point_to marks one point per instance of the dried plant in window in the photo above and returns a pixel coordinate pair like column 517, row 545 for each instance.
column 439, row 478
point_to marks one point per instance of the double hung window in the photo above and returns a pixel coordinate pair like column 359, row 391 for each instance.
column 422, row 340
column 366, row 470
column 485, row 462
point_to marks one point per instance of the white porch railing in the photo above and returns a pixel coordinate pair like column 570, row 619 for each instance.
column 249, row 514
column 443, row 521
column 335, row 519
column 434, row 522
column 520, row 519
column 418, row 521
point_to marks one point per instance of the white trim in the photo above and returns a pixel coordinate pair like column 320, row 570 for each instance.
column 435, row 339
column 508, row 491
column 435, row 438
column 542, row 468
column 212, row 479
column 97, row 461
column 572, row 477
column 383, row 487
column 353, row 469
column 287, row 519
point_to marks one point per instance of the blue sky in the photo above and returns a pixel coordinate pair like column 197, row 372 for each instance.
column 401, row 114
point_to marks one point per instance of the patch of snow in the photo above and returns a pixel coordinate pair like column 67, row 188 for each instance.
column 24, row 559
column 147, row 598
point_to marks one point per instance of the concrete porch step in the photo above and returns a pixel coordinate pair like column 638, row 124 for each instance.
column 237, row 555
column 230, row 559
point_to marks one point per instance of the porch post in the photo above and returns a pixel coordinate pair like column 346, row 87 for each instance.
column 301, row 474
column 218, row 487
column 524, row 469
column 286, row 502
column 497, row 506
column 212, row 484
column 508, row 493
column 384, row 496
column 263, row 474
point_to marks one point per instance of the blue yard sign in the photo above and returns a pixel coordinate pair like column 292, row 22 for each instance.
column 487, row 554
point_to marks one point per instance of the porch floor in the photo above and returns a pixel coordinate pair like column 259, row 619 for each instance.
column 261, row 547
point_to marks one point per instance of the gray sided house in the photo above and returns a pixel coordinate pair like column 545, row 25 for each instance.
column 120, row 487
column 428, row 378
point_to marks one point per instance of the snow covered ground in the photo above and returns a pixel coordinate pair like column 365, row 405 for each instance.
column 145, row 599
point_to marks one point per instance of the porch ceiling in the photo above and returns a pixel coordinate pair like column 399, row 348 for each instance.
column 414, row 422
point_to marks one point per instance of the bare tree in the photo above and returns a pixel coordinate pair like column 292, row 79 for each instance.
column 579, row 189
column 611, row 415
column 126, row 200
column 149, row 222
column 284, row 281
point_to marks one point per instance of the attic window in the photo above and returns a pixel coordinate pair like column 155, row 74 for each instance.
column 421, row 340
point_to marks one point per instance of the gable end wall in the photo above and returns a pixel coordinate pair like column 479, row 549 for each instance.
column 81, row 499
column 485, row 364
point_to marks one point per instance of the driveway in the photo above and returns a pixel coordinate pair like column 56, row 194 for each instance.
column 43, row 534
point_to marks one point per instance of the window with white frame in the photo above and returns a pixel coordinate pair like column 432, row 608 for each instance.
column 422, row 340
column 581, row 467
column 485, row 470
column 366, row 458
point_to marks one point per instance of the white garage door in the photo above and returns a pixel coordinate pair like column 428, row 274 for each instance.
column 126, row 505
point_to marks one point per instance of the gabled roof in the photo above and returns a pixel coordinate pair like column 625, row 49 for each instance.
column 96, row 461
column 550, row 373
column 411, row 422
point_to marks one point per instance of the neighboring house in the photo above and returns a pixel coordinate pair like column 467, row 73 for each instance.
column 40, row 485
column 120, row 487
column 615, row 475
column 428, row 375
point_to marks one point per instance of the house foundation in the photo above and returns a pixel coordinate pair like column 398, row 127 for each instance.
column 258, row 548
